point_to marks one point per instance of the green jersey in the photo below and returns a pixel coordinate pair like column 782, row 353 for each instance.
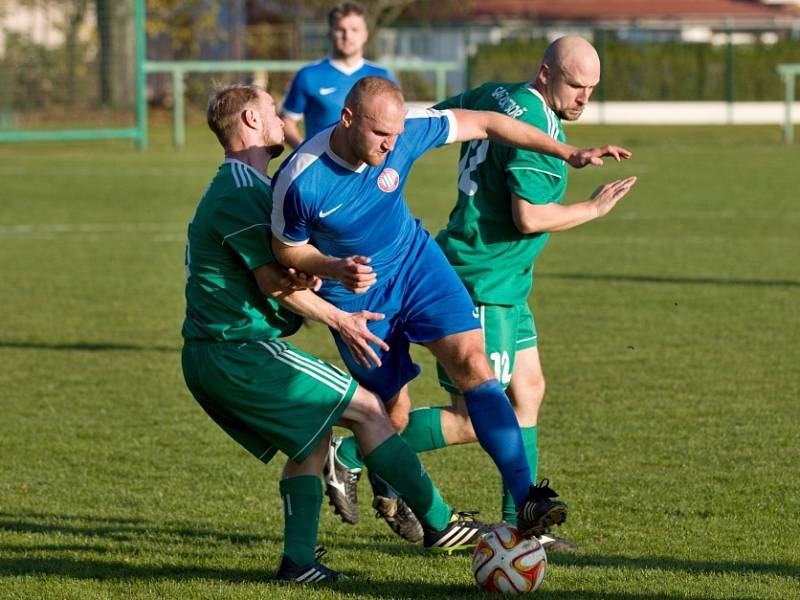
column 229, row 236
column 493, row 259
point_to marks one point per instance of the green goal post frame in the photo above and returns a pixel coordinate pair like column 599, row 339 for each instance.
column 789, row 72
column 138, row 133
column 178, row 71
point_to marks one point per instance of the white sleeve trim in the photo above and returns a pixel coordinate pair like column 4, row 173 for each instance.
column 451, row 119
column 289, row 242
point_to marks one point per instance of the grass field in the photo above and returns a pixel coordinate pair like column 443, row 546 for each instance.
column 669, row 334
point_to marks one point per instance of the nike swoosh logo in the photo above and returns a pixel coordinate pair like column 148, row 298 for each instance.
column 325, row 213
column 326, row 91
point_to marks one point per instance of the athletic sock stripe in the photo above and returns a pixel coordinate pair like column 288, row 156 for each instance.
column 324, row 367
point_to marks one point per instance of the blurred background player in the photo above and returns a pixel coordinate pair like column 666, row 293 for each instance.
column 317, row 92
column 509, row 201
column 265, row 393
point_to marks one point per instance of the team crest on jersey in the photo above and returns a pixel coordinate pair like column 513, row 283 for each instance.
column 388, row 180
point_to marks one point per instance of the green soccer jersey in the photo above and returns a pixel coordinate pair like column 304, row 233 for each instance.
column 493, row 259
column 229, row 236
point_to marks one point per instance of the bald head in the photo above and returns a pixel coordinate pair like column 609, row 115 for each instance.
column 370, row 92
column 568, row 74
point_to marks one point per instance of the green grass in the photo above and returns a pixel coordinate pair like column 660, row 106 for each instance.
column 669, row 336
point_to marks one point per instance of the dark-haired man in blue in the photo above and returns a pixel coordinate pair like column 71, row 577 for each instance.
column 339, row 212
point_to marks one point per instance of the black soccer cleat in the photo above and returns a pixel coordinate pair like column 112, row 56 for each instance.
column 553, row 543
column 341, row 485
column 540, row 512
column 399, row 517
column 462, row 533
column 310, row 573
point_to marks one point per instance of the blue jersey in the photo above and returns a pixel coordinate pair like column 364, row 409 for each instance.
column 318, row 90
column 344, row 210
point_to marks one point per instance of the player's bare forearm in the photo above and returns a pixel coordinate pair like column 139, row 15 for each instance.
column 304, row 258
column 353, row 272
column 481, row 125
column 550, row 217
column 352, row 327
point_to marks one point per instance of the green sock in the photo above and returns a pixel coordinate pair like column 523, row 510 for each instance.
column 424, row 430
column 423, row 433
column 529, row 439
column 398, row 465
column 349, row 454
column 302, row 499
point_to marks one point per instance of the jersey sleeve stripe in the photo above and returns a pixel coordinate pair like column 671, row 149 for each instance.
column 244, row 229
column 302, row 160
column 533, row 169
column 291, row 115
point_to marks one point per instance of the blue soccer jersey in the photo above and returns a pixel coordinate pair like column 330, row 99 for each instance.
column 318, row 90
column 345, row 210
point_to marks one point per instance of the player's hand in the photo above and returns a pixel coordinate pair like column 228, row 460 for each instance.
column 355, row 273
column 606, row 196
column 352, row 327
column 592, row 156
column 293, row 279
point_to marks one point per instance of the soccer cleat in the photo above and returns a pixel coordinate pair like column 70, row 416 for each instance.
column 310, row 573
column 399, row 516
column 554, row 543
column 539, row 512
column 341, row 485
column 462, row 533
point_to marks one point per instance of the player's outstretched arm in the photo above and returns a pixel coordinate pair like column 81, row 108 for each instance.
column 482, row 125
column 537, row 218
column 593, row 156
column 353, row 272
column 352, row 327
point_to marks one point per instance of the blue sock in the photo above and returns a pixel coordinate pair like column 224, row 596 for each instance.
column 497, row 430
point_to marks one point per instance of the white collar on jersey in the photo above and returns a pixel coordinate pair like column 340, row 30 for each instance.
column 347, row 70
column 338, row 159
column 261, row 176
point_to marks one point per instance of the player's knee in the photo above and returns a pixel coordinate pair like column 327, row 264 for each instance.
column 399, row 419
column 364, row 408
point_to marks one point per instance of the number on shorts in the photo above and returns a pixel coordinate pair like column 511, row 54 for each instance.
column 502, row 366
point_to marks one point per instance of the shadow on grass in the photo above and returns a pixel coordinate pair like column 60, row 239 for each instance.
column 359, row 585
column 88, row 347
column 671, row 280
column 143, row 538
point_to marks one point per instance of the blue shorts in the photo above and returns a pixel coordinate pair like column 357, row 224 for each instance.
column 424, row 302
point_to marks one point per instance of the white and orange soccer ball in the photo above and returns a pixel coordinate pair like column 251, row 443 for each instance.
column 506, row 562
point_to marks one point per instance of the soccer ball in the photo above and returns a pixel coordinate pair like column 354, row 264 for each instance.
column 506, row 562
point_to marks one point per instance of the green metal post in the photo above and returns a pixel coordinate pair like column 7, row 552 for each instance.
column 441, row 84
column 729, row 76
column 600, row 45
column 788, row 125
column 178, row 130
column 139, row 15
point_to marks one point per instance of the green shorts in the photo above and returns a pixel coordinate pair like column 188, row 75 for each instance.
column 269, row 395
column 506, row 331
